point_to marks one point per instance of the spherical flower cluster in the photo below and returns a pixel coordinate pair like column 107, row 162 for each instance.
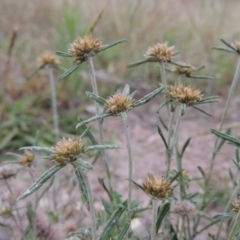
column 7, row 172
column 26, row 159
column 157, row 187
column 118, row 103
column 67, row 151
column 160, row 51
column 236, row 205
column 48, row 58
column 185, row 209
column 186, row 71
column 184, row 94
column 81, row 48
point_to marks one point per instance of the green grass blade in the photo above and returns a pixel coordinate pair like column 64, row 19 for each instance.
column 162, row 212
column 106, row 46
column 47, row 175
column 63, row 54
column 96, row 117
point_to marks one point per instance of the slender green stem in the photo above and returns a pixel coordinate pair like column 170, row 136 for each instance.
column 130, row 166
column 91, row 206
column 53, row 101
column 170, row 134
column 180, row 228
column 235, row 192
column 154, row 219
column 188, row 228
column 230, row 95
column 235, row 228
column 100, row 127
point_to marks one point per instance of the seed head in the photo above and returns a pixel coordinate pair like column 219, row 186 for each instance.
column 185, row 208
column 236, row 205
column 7, row 172
column 118, row 103
column 157, row 187
column 48, row 58
column 186, row 71
column 161, row 51
column 67, row 150
column 184, row 94
column 236, row 45
column 26, row 159
column 81, row 48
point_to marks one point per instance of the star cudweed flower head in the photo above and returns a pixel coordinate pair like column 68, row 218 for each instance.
column 236, row 205
column 7, row 172
column 118, row 103
column 185, row 208
column 82, row 48
column 183, row 94
column 67, row 151
column 160, row 51
column 157, row 187
column 48, row 58
column 26, row 159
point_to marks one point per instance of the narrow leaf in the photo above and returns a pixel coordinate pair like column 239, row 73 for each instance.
column 69, row 71
column 175, row 177
column 111, row 222
column 223, row 216
column 81, row 183
column 96, row 117
column 162, row 136
column 180, row 64
column 116, row 87
column 84, row 164
column 202, row 111
column 163, row 123
column 200, row 68
column 106, row 46
column 124, row 231
column 138, row 185
column 224, row 49
column 47, row 175
column 225, row 136
column 126, row 89
column 137, row 63
column 183, row 108
column 62, row 54
column 102, row 183
column 35, row 72
column 162, row 104
column 89, row 134
column 96, row 98
column 201, row 171
column 227, row 44
column 201, row 77
column 228, row 131
column 100, row 147
column 36, row 148
column 107, row 207
column 162, row 212
column 185, row 146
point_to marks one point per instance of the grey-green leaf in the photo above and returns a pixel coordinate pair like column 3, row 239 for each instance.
column 47, row 175
column 162, row 212
column 69, row 71
column 96, row 117
column 36, row 148
column 100, row 147
column 96, row 98
column 84, row 164
column 63, row 54
column 35, row 72
column 223, row 216
column 124, row 231
column 106, row 46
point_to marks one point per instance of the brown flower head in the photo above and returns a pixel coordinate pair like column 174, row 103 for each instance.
column 81, row 48
column 7, row 172
column 157, row 187
column 48, row 58
column 26, row 159
column 186, row 71
column 67, row 150
column 118, row 103
column 236, row 205
column 185, row 208
column 184, row 94
column 161, row 51
column 236, row 45
column 5, row 211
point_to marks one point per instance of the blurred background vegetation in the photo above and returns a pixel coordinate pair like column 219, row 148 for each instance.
column 30, row 28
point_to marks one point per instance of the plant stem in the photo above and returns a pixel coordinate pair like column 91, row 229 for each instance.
column 154, row 219
column 170, row 134
column 53, row 101
column 230, row 95
column 235, row 227
column 130, row 167
column 91, row 206
column 235, row 192
column 100, row 128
